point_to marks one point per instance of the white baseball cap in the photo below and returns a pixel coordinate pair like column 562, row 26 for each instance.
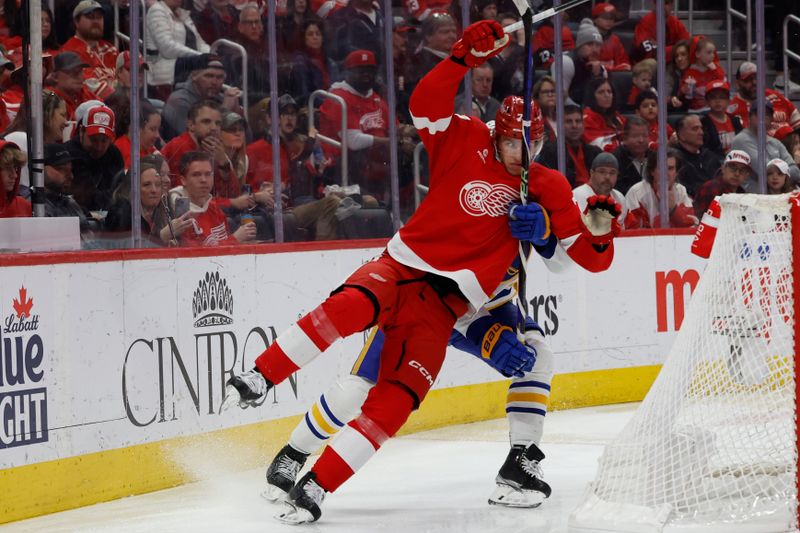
column 780, row 164
column 737, row 156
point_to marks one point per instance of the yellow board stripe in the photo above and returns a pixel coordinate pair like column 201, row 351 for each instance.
column 320, row 420
column 527, row 397
column 364, row 350
column 98, row 477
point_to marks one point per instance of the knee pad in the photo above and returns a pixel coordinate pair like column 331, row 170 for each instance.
column 349, row 309
column 388, row 405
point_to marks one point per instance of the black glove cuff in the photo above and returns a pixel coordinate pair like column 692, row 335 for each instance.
column 458, row 60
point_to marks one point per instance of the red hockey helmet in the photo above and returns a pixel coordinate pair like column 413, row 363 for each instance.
column 508, row 122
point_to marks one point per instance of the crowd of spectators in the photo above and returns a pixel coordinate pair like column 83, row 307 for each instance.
column 206, row 169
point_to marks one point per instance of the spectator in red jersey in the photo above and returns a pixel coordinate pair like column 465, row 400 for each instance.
column 612, row 54
column 719, row 126
column 544, row 92
column 632, row 153
column 508, row 65
column 642, row 199
column 602, row 181
column 579, row 154
column 734, row 172
column 543, row 43
column 149, row 126
column 646, row 106
column 703, row 70
column 208, row 225
column 698, row 163
column 778, row 179
column 785, row 113
column 96, row 161
column 88, row 43
column 6, row 68
column 67, row 81
column 678, row 63
column 644, row 37
column 582, row 64
column 11, row 203
column 602, row 122
column 642, row 78
column 217, row 21
column 367, row 124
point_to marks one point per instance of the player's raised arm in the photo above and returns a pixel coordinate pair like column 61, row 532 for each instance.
column 432, row 103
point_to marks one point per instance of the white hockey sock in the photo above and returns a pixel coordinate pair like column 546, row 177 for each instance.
column 335, row 408
column 528, row 396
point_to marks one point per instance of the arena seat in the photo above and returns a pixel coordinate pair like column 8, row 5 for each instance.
column 367, row 224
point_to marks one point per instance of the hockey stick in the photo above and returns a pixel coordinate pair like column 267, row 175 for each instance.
column 546, row 14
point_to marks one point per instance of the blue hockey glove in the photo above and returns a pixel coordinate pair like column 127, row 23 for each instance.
column 505, row 353
column 529, row 223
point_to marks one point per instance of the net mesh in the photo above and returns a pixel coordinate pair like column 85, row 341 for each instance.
column 714, row 440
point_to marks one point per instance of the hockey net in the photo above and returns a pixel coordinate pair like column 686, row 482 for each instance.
column 712, row 447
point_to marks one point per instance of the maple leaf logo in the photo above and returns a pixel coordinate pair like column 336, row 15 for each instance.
column 23, row 305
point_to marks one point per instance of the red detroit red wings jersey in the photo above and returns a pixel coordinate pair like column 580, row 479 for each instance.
column 461, row 229
column 368, row 114
column 785, row 113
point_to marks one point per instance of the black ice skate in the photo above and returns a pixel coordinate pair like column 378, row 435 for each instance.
column 519, row 482
column 302, row 504
column 282, row 473
column 248, row 390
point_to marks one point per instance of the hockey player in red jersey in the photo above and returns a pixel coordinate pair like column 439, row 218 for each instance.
column 445, row 262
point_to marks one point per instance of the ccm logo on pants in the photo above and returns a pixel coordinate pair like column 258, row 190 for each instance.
column 422, row 370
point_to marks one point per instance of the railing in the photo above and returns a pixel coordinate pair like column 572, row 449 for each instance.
column 327, row 140
column 745, row 17
column 788, row 54
column 417, row 153
column 216, row 45
column 119, row 35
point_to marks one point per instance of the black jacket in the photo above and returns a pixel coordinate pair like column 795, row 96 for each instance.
column 711, row 135
column 628, row 172
column 549, row 157
column 94, row 180
column 697, row 169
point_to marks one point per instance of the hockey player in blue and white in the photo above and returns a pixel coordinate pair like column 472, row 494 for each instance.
column 489, row 335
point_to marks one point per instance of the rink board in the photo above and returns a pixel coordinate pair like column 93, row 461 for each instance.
column 112, row 365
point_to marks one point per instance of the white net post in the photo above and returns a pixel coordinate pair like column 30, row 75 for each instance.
column 713, row 445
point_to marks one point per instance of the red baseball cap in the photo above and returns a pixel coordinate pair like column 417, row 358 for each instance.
column 100, row 121
column 124, row 61
column 603, row 8
column 782, row 132
column 360, row 58
column 717, row 85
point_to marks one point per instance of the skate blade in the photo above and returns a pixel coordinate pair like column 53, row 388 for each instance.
column 232, row 397
column 274, row 494
column 508, row 496
column 294, row 515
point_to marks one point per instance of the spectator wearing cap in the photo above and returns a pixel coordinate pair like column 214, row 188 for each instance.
column 778, row 179
column 583, row 63
column 439, row 34
column 612, row 54
column 698, row 163
column 747, row 141
column 367, row 124
column 646, row 107
column 311, row 68
column 642, row 200
column 11, row 161
column 579, row 154
column 216, row 21
column 484, row 106
column 58, row 179
column 229, row 176
column 149, row 127
column 631, row 154
column 719, row 126
column 171, row 34
column 603, row 124
column 704, row 69
column 67, row 81
column 250, row 34
column 602, row 181
column 88, row 43
column 403, row 66
column 734, row 172
column 96, row 161
column 422, row 10
column 785, row 113
column 120, row 100
column 205, row 83
column 357, row 26
column 644, row 36
column 543, row 44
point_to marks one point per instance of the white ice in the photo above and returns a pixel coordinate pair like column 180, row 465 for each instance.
column 433, row 481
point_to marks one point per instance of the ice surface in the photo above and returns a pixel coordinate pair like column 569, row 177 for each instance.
column 436, row 481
